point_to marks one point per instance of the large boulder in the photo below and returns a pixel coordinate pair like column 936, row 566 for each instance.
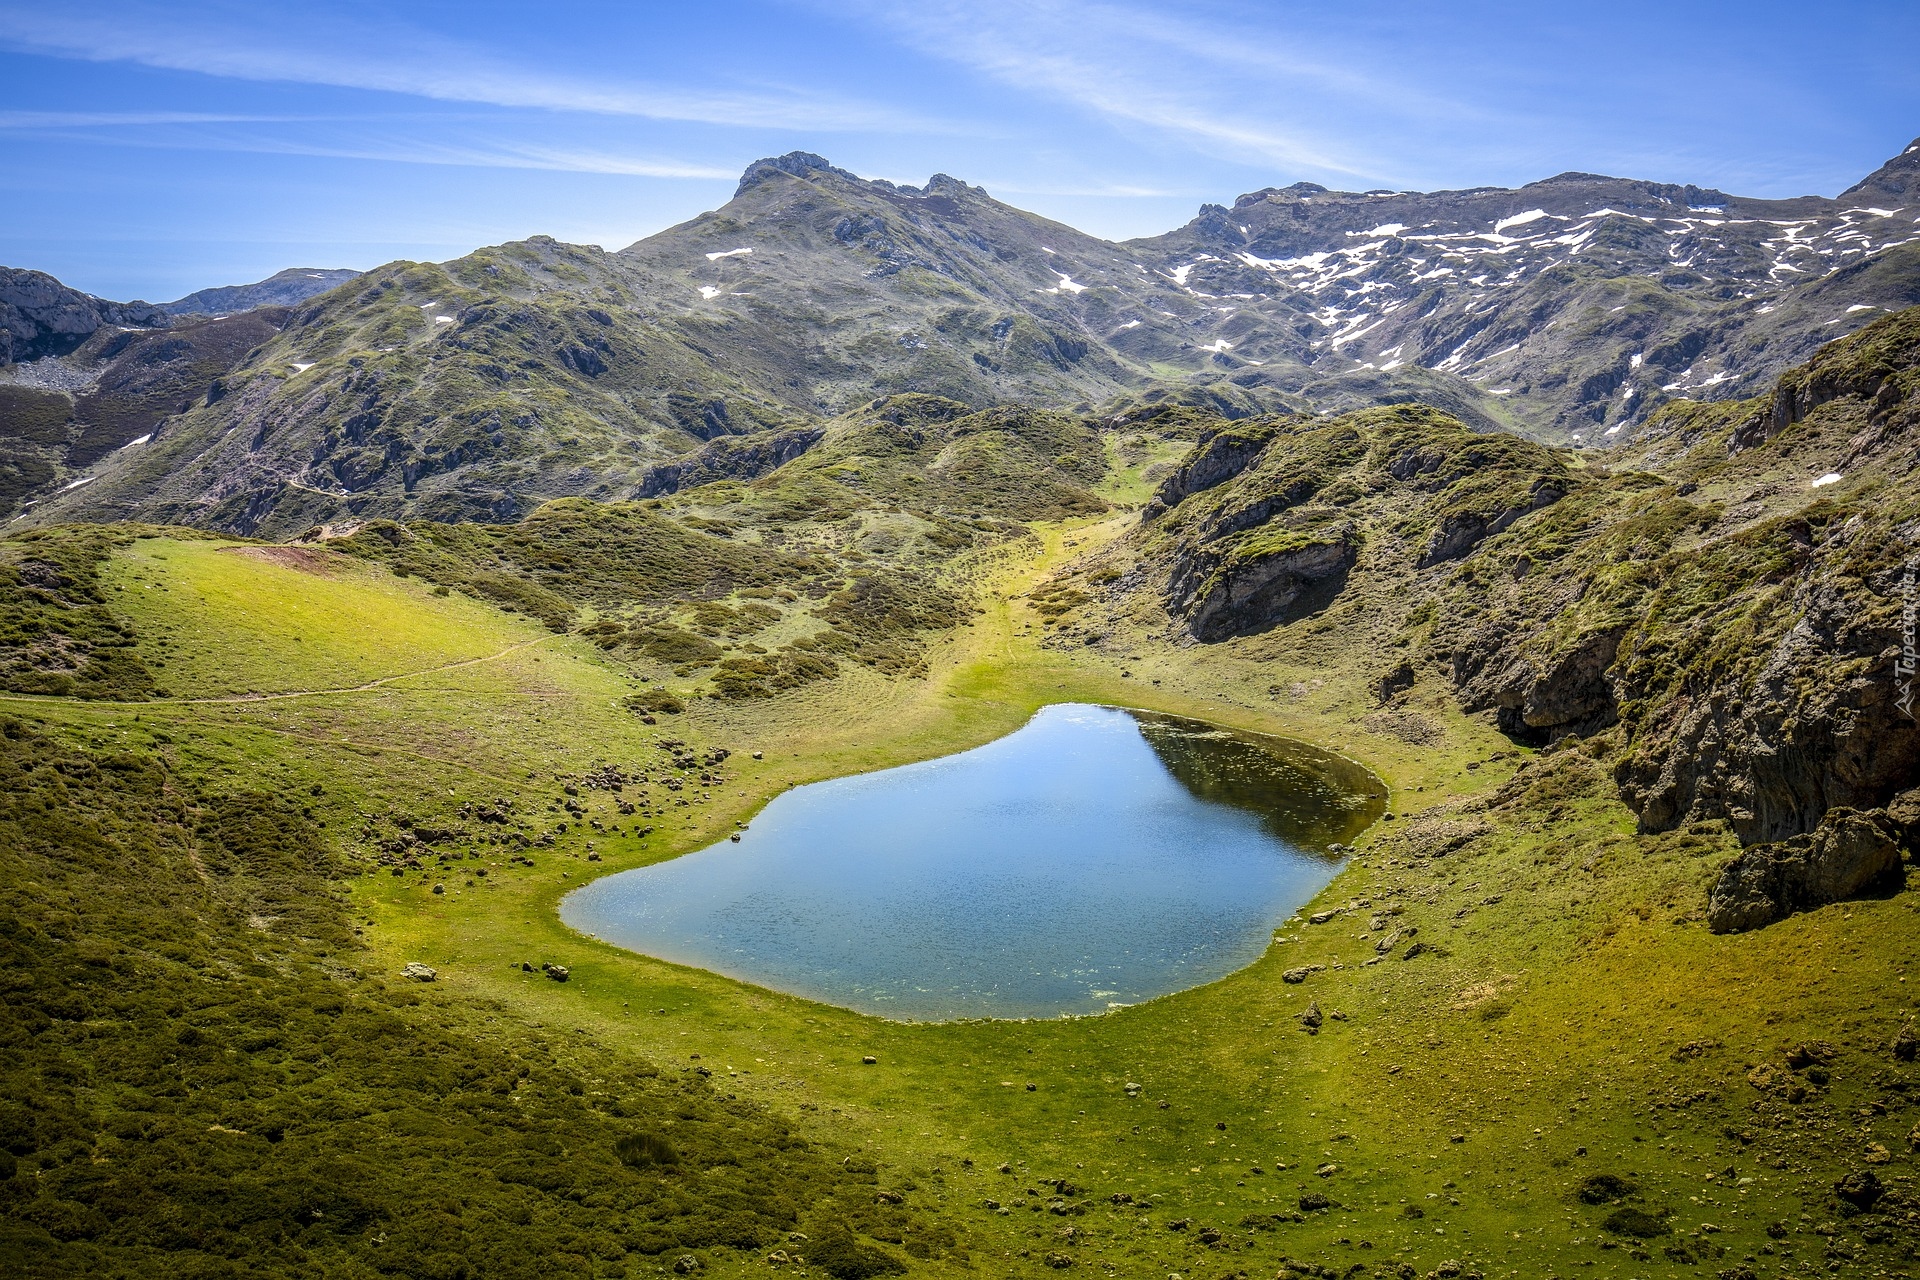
column 1850, row 853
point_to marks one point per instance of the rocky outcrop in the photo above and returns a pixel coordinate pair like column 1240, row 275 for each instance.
column 794, row 164
column 1816, row 725
column 1895, row 180
column 1903, row 818
column 729, row 458
column 1537, row 699
column 1876, row 367
column 1849, row 854
column 1264, row 519
column 1459, row 532
column 1253, row 590
column 1216, row 459
column 39, row 316
column 1751, row 649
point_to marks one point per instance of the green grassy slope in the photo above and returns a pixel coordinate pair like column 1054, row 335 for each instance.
column 202, row 1076
column 1510, row 1046
column 1585, row 1008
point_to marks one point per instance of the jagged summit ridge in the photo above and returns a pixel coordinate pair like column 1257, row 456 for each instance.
column 1516, row 290
column 794, row 164
column 809, row 167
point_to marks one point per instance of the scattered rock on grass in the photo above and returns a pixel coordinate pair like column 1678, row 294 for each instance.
column 1634, row 1222
column 1604, row 1188
column 1811, row 1053
column 1860, row 1190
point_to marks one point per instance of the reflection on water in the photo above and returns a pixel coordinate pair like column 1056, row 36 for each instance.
column 1096, row 857
column 1305, row 796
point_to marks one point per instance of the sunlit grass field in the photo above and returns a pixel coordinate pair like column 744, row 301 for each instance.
column 1569, row 1016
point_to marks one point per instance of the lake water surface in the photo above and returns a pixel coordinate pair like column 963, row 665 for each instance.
column 1094, row 858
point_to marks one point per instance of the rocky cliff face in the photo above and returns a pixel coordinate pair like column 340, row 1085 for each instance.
column 41, row 317
column 1727, row 606
column 1752, row 602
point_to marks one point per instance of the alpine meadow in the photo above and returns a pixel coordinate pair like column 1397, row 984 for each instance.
column 568, row 762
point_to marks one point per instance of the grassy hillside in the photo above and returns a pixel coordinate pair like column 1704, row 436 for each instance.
column 1494, row 1033
column 1512, row 1045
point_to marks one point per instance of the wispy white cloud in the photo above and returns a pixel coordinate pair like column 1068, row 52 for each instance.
column 100, row 128
column 557, row 160
column 1232, row 84
column 1100, row 190
column 121, row 119
column 388, row 56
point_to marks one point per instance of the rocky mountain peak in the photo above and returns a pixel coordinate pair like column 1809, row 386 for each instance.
column 1277, row 195
column 794, row 164
column 947, row 184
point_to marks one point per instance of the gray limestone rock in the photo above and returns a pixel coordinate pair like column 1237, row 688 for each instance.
column 1848, row 854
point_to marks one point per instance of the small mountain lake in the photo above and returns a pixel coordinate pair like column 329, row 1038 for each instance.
column 1095, row 857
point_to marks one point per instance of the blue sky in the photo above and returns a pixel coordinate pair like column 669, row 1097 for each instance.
column 149, row 149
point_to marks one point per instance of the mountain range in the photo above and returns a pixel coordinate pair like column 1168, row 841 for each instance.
column 1567, row 310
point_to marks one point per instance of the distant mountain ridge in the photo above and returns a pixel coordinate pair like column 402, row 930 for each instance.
column 281, row 289
column 1567, row 309
column 1587, row 300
